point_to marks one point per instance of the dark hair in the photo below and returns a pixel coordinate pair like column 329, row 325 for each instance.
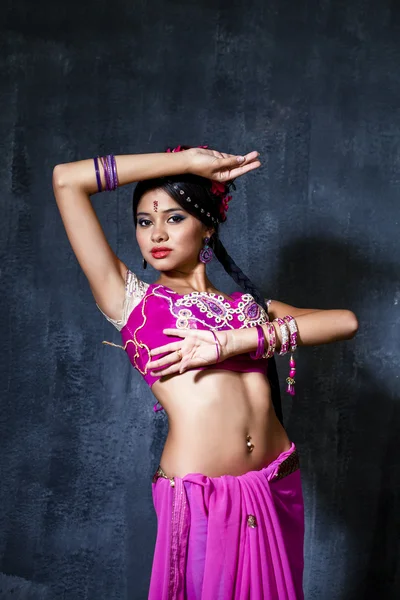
column 193, row 193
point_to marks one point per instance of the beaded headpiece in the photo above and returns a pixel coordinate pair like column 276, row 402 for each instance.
column 218, row 189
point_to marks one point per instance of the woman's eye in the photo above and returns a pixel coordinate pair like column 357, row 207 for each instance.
column 176, row 218
column 144, row 222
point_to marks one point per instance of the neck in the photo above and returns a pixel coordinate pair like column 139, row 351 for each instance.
column 195, row 280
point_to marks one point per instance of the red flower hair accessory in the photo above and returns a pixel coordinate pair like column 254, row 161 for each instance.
column 221, row 190
column 181, row 148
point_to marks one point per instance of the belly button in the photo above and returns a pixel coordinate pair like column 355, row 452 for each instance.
column 250, row 446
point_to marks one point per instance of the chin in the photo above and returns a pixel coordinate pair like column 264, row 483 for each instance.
column 161, row 264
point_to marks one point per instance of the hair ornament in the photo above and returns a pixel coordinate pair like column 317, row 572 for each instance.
column 218, row 188
column 221, row 189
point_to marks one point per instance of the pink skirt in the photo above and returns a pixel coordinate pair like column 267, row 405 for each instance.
column 230, row 537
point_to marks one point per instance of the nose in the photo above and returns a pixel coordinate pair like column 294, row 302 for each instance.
column 158, row 234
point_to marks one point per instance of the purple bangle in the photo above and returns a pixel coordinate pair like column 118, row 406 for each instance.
column 104, row 165
column 96, row 166
column 102, row 160
column 110, row 171
column 114, row 169
column 260, row 344
column 216, row 344
column 110, row 175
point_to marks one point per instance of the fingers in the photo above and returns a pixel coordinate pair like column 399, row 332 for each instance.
column 232, row 160
column 166, row 348
column 235, row 169
column 173, row 357
column 245, row 169
column 177, row 332
column 173, row 345
column 167, row 371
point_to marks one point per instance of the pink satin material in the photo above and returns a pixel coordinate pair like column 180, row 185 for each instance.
column 158, row 310
column 205, row 548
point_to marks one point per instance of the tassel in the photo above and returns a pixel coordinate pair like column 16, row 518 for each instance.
column 290, row 380
column 111, row 344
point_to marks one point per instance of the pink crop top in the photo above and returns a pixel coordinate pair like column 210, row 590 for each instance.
column 158, row 307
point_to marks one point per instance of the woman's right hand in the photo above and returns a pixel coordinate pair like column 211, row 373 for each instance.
column 219, row 166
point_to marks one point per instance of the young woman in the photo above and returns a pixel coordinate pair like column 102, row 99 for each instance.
column 227, row 493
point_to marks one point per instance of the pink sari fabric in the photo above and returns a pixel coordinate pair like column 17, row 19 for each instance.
column 230, row 537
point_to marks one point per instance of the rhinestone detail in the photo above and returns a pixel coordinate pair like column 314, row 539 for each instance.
column 251, row 521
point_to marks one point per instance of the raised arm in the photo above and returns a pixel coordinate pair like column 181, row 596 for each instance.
column 73, row 183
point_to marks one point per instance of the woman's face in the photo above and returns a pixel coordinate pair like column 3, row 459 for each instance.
column 168, row 236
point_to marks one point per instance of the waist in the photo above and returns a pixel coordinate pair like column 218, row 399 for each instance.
column 228, row 428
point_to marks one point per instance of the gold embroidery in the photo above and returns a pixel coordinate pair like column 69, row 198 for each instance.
column 184, row 316
column 289, row 465
column 134, row 339
column 161, row 473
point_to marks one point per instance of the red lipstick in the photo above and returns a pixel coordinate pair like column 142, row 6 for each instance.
column 160, row 252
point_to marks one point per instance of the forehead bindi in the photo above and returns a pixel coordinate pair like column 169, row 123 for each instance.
column 157, row 202
column 162, row 209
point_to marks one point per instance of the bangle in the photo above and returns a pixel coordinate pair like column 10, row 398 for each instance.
column 285, row 336
column 271, row 340
column 260, row 344
column 109, row 160
column 216, row 345
column 110, row 172
column 98, row 179
column 106, row 174
column 114, row 169
column 293, row 331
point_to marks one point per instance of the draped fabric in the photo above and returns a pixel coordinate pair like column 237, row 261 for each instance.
column 230, row 537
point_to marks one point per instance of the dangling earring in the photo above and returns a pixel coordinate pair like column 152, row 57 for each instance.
column 144, row 264
column 206, row 252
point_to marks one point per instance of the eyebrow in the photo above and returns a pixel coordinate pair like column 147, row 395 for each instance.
column 168, row 210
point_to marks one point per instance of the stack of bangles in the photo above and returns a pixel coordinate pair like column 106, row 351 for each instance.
column 288, row 329
column 110, row 172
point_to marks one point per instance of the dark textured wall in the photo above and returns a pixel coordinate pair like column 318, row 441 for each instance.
column 312, row 85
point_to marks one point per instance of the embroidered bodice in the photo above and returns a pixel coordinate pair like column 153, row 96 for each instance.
column 149, row 309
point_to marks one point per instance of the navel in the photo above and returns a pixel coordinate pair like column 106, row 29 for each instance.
column 249, row 445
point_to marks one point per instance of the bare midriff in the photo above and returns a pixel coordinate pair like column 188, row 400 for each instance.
column 211, row 413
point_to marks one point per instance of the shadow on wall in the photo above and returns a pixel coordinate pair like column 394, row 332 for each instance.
column 345, row 420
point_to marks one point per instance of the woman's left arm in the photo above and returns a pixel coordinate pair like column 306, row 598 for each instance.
column 198, row 347
column 315, row 327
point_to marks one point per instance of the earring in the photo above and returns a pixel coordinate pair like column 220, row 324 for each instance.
column 206, row 252
column 144, row 264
